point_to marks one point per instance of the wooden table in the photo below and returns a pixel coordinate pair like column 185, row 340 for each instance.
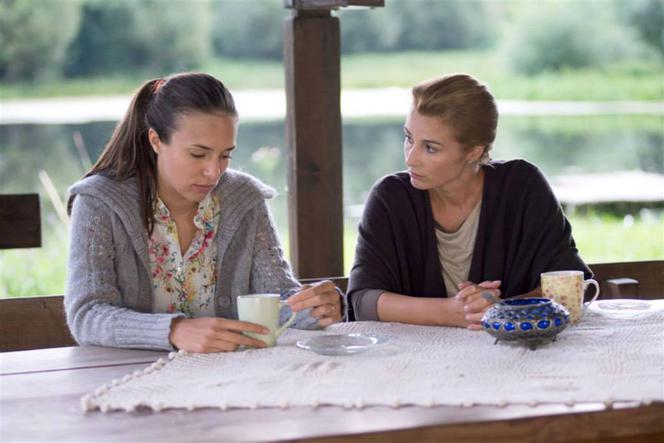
column 40, row 395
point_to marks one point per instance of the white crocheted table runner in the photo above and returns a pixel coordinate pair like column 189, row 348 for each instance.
column 600, row 360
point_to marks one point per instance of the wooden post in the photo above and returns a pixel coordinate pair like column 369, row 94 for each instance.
column 313, row 136
column 312, row 59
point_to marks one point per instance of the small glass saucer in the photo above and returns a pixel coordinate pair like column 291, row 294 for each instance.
column 341, row 344
column 622, row 308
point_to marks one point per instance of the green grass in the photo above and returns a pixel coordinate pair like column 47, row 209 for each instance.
column 634, row 80
column 115, row 85
column 599, row 238
column 236, row 74
column 606, row 238
column 35, row 271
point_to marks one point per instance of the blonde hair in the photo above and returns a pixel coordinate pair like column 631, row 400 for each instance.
column 464, row 103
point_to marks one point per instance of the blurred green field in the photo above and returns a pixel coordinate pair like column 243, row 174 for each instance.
column 607, row 238
column 634, row 80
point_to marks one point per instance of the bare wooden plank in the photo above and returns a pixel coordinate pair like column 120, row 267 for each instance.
column 76, row 357
column 640, row 424
column 32, row 323
column 312, row 63
column 20, row 221
column 331, row 4
column 649, row 276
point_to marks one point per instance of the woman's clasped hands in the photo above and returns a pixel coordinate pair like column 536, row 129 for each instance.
column 476, row 298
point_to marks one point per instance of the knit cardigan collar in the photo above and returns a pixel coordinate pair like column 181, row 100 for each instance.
column 238, row 193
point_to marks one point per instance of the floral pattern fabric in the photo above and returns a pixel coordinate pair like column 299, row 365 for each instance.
column 184, row 282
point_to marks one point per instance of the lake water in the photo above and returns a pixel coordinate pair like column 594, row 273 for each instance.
column 372, row 148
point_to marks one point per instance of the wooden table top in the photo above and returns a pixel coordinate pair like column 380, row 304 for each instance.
column 40, row 395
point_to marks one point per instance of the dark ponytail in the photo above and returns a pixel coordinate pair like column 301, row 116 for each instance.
column 157, row 105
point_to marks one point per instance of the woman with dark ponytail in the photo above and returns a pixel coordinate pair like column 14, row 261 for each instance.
column 164, row 236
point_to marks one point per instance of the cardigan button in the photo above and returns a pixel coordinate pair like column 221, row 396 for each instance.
column 225, row 302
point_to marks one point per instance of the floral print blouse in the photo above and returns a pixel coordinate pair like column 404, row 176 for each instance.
column 184, row 283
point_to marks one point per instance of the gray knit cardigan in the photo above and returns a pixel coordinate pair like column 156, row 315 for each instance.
column 108, row 297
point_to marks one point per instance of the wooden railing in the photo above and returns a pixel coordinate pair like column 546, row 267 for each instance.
column 33, row 323
column 636, row 279
column 39, row 322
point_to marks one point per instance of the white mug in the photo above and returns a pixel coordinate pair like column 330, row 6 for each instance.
column 263, row 309
column 568, row 289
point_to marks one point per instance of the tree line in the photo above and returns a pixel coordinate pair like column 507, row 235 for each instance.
column 45, row 39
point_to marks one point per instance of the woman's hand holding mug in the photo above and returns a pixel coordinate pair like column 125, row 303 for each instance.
column 323, row 299
column 209, row 334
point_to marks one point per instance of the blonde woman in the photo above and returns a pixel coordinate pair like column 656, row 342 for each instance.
column 440, row 242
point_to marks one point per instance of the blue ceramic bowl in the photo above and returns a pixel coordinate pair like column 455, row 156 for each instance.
column 529, row 320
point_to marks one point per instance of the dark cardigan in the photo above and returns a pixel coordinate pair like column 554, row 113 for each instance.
column 522, row 232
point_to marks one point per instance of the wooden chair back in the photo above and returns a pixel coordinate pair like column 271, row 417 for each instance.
column 20, row 221
column 637, row 279
column 33, row 323
column 39, row 322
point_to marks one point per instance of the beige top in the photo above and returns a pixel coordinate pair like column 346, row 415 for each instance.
column 455, row 250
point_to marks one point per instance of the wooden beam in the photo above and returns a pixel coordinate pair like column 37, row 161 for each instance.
column 20, row 221
column 313, row 136
column 33, row 323
column 39, row 322
column 331, row 4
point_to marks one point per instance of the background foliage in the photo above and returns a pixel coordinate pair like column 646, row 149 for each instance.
column 554, row 37
column 31, row 48
column 598, row 50
column 102, row 37
column 121, row 36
